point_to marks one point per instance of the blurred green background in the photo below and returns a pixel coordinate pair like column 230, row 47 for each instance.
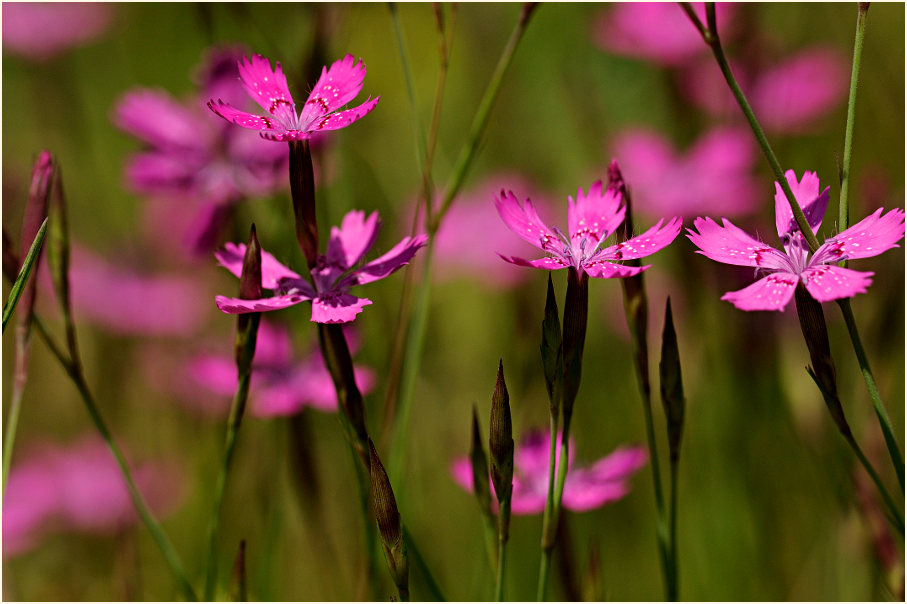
column 767, row 506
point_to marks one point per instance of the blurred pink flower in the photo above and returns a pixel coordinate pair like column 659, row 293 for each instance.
column 711, row 177
column 584, row 488
column 42, row 30
column 658, row 31
column 590, row 220
column 195, row 158
column 823, row 279
column 788, row 98
column 335, row 88
column 335, row 273
column 124, row 301
column 280, row 387
column 79, row 488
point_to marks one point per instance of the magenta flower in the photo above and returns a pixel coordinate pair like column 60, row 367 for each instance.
column 711, row 177
column 335, row 88
column 788, row 98
column 78, row 488
column 584, row 488
column 42, row 30
column 656, row 31
column 590, row 220
column 280, row 387
column 823, row 279
column 336, row 272
column 195, row 158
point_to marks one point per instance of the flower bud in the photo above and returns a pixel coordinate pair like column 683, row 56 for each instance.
column 249, row 289
column 671, row 383
column 576, row 311
column 479, row 467
column 389, row 524
column 552, row 350
column 500, row 441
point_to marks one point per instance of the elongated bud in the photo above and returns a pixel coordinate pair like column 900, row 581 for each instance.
column 671, row 384
column 302, row 191
column 390, row 525
column 479, row 467
column 249, row 289
column 58, row 242
column 615, row 178
column 339, row 362
column 552, row 350
column 500, row 441
column 815, row 332
column 576, row 312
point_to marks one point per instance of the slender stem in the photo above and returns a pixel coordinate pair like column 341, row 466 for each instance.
column 430, row 580
column 549, row 523
column 237, row 410
column 22, row 279
column 503, row 518
column 673, row 587
column 710, row 36
column 884, row 422
column 896, row 517
column 843, row 208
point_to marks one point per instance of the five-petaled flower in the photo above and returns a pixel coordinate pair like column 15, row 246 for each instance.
column 590, row 220
column 335, row 88
column 334, row 274
column 817, row 272
column 585, row 489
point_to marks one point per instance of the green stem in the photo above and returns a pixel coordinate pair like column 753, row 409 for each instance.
column 673, row 587
column 710, row 36
column 549, row 521
column 896, row 517
column 430, row 581
column 234, row 421
column 22, row 279
column 138, row 501
column 884, row 422
column 503, row 519
column 843, row 209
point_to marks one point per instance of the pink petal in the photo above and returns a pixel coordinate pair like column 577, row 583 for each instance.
column 595, row 215
column 41, row 30
column 806, row 192
column 397, row 257
column 526, row 501
column 269, row 89
column 869, row 237
column 602, row 269
column 272, row 271
column 215, row 373
column 341, row 308
column 246, row 120
column 461, row 470
column 582, row 492
column 156, row 118
column 549, row 263
column 646, row 244
column 355, row 236
column 335, row 88
column 829, row 282
column 524, row 221
column 769, row 293
column 238, row 306
column 173, row 174
column 342, row 119
column 620, row 464
column 731, row 245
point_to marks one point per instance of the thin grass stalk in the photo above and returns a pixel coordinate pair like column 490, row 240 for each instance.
column 430, row 582
column 22, row 279
column 673, row 586
column 551, row 516
column 843, row 207
column 894, row 514
column 503, row 521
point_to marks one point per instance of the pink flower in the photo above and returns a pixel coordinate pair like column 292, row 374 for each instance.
column 659, row 31
column 42, row 30
column 818, row 273
column 590, row 220
column 584, row 488
column 193, row 157
column 125, row 301
column 788, row 98
column 336, row 272
column 711, row 177
column 280, row 387
column 336, row 87
column 78, row 488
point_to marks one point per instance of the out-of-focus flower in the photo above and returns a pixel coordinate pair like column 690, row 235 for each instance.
column 334, row 274
column 471, row 235
column 788, row 98
column 590, row 220
column 193, row 157
column 77, row 488
column 42, row 30
column 584, row 488
column 280, row 387
column 657, row 31
column 126, row 302
column 711, row 177
column 335, row 88
column 823, row 279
